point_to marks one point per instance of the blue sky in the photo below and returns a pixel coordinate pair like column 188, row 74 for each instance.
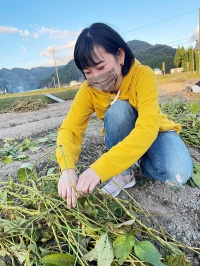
column 30, row 30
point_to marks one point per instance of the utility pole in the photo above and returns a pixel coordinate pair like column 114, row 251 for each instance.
column 54, row 82
column 56, row 69
column 163, row 68
column 199, row 40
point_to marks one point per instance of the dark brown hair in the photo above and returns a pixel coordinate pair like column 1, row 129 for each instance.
column 100, row 35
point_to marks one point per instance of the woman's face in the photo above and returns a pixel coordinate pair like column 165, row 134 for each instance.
column 106, row 63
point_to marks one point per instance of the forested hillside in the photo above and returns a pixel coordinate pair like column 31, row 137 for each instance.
column 153, row 55
column 19, row 79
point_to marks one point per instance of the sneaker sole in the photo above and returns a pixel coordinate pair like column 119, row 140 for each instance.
column 116, row 193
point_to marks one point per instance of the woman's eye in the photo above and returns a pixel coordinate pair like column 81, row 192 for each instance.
column 101, row 68
column 87, row 73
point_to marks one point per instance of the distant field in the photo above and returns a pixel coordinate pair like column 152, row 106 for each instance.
column 7, row 100
column 177, row 77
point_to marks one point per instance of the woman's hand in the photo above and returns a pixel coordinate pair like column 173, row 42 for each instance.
column 66, row 187
column 87, row 182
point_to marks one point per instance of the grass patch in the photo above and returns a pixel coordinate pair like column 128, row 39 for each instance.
column 177, row 77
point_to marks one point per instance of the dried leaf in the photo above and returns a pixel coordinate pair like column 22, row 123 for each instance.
column 129, row 222
column 103, row 252
column 178, row 260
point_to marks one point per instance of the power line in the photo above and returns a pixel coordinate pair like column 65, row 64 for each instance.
column 162, row 20
column 177, row 41
column 163, row 45
column 21, row 61
column 144, row 26
column 30, row 58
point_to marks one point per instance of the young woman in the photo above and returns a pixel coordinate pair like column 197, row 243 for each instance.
column 124, row 94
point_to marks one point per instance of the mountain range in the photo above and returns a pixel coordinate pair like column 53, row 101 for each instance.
column 19, row 79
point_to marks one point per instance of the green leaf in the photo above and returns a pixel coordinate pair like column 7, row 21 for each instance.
column 195, row 107
column 25, row 170
column 33, row 148
column 43, row 140
column 123, row 247
column 3, row 195
column 59, row 259
column 22, row 157
column 197, row 168
column 177, row 261
column 7, row 159
column 22, row 174
column 52, row 135
column 50, row 171
column 146, row 251
column 196, row 179
column 12, row 184
column 3, row 253
column 25, row 144
column 103, row 252
column 27, row 166
column 53, row 158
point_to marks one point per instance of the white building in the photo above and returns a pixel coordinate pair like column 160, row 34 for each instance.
column 74, row 83
column 176, row 70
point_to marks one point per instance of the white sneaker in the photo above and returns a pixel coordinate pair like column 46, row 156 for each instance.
column 118, row 182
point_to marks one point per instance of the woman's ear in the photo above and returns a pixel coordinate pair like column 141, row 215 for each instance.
column 121, row 56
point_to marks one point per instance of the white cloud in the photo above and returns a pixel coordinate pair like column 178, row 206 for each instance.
column 36, row 35
column 24, row 32
column 41, row 30
column 60, row 61
column 13, row 30
column 24, row 49
column 56, row 33
column 9, row 30
column 49, row 50
column 195, row 35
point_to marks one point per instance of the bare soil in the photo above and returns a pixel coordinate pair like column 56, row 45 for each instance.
column 178, row 212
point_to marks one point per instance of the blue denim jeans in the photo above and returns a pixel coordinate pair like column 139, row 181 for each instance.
column 167, row 160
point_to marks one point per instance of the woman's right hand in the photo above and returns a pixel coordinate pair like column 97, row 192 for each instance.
column 66, row 185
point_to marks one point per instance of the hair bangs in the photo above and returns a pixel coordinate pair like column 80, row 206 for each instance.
column 87, row 55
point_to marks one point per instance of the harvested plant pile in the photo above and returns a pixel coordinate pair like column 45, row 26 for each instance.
column 36, row 228
column 188, row 115
column 25, row 105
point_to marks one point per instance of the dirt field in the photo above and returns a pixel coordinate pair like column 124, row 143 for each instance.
column 177, row 212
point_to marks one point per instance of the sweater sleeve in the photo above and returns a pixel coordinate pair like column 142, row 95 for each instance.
column 127, row 152
column 72, row 130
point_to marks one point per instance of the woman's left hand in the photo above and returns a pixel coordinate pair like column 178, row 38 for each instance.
column 87, row 182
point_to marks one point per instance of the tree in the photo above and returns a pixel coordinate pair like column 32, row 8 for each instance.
column 191, row 59
column 185, row 60
column 177, row 58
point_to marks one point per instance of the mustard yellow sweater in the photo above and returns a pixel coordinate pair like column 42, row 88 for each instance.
column 139, row 87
